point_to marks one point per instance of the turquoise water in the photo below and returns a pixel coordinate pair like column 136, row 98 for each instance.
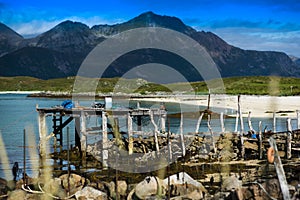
column 18, row 112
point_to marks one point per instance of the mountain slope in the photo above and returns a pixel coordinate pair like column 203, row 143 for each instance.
column 9, row 39
column 64, row 47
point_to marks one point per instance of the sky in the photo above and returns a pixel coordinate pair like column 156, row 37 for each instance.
column 271, row 25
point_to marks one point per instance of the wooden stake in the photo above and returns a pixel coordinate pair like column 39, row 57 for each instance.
column 211, row 133
column 181, row 135
column 155, row 131
column 280, row 171
column 130, row 141
column 260, row 142
column 274, row 122
column 298, row 119
column 199, row 122
column 104, row 141
column 222, row 122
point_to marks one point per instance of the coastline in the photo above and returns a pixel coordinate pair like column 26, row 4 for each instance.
column 260, row 106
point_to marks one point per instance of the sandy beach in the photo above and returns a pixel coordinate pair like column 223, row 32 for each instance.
column 259, row 106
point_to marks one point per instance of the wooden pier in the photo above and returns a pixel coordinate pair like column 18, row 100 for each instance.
column 61, row 117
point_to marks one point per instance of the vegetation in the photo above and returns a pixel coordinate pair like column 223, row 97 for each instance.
column 253, row 85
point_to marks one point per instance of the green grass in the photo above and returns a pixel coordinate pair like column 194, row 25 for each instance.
column 254, row 85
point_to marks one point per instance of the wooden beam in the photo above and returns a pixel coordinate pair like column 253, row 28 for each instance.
column 130, row 139
column 104, row 141
column 280, row 171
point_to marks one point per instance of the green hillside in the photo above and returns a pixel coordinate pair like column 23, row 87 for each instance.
column 254, row 85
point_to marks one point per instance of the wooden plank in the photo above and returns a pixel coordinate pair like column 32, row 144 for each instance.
column 280, row 171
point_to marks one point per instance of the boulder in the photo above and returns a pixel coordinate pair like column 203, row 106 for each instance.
column 76, row 182
column 231, row 183
column 53, row 187
column 149, row 186
column 17, row 194
column 90, row 193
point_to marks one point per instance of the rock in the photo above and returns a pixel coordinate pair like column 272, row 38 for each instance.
column 122, row 188
column 90, row 193
column 76, row 182
column 53, row 186
column 252, row 146
column 195, row 195
column 231, row 183
column 183, row 178
column 17, row 194
column 149, row 186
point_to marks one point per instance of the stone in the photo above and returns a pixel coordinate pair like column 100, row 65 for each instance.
column 76, row 182
column 89, row 193
column 17, row 194
column 122, row 188
column 149, row 186
column 53, row 186
column 231, row 183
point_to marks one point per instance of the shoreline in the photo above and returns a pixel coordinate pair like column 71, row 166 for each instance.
column 260, row 106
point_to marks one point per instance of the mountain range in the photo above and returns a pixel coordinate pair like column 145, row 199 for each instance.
column 60, row 51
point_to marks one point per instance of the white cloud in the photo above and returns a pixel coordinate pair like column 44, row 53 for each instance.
column 261, row 39
column 36, row 27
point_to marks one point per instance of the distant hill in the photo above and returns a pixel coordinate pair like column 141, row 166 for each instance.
column 60, row 51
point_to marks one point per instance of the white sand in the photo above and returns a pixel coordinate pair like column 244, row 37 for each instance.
column 259, row 106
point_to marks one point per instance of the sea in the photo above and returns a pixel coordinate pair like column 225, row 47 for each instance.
column 19, row 121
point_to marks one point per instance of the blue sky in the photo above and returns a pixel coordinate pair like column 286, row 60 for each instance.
column 257, row 24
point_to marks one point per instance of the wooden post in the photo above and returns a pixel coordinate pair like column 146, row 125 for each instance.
column 222, row 122
column 289, row 145
column 250, row 123
column 236, row 122
column 83, row 134
column 42, row 134
column 77, row 133
column 129, row 127
column 163, row 121
column 181, row 135
column 298, row 119
column 211, row 133
column 155, row 131
column 274, row 122
column 289, row 125
column 104, row 140
column 242, row 128
column 280, row 171
column 139, row 123
column 199, row 122
column 208, row 101
column 260, row 142
column 240, row 114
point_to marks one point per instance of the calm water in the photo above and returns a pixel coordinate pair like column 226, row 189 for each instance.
column 18, row 113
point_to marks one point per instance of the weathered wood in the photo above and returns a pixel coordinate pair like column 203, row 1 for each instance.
column 289, row 145
column 77, row 133
column 250, row 123
column 181, row 135
column 42, row 133
column 199, row 122
column 280, row 171
column 104, row 141
column 240, row 114
column 129, row 127
column 83, row 132
column 236, row 122
column 222, row 122
column 155, row 132
column 274, row 122
column 260, row 141
column 163, row 122
column 298, row 119
column 211, row 133
column 289, row 125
